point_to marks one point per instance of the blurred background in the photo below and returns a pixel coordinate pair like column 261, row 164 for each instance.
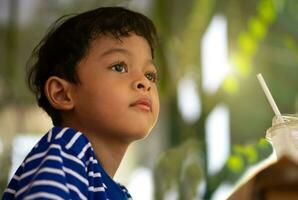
column 214, row 115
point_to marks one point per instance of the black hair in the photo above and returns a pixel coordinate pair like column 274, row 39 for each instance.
column 68, row 41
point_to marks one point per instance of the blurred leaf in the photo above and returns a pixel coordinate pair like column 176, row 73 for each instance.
column 247, row 44
column 241, row 158
column 267, row 11
column 179, row 167
column 257, row 28
column 235, row 163
column 230, row 85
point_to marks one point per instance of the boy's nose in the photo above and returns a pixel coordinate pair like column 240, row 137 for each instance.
column 142, row 84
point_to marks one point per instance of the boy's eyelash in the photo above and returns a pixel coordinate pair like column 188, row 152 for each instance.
column 154, row 76
column 119, row 64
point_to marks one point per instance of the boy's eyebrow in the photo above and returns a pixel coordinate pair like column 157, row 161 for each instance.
column 121, row 50
column 114, row 50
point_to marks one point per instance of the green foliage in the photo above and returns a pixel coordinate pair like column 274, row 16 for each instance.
column 243, row 156
column 254, row 21
column 248, row 42
column 180, row 168
column 179, row 47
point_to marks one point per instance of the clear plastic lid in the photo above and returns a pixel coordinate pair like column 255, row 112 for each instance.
column 288, row 120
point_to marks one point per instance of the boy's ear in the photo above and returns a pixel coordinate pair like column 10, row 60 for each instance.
column 58, row 92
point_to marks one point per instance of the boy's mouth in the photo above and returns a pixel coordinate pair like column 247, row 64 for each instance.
column 143, row 104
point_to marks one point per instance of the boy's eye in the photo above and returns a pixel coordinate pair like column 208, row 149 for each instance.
column 151, row 76
column 120, row 67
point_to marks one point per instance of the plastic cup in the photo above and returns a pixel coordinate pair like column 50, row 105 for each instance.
column 283, row 136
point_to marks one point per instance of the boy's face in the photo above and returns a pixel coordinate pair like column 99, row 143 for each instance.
column 117, row 95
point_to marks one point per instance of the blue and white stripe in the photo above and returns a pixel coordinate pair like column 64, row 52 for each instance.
column 63, row 166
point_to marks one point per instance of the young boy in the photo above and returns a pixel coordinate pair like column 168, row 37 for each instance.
column 94, row 75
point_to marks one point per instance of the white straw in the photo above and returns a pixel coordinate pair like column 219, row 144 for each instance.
column 268, row 95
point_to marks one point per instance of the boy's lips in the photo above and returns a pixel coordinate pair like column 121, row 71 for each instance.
column 144, row 104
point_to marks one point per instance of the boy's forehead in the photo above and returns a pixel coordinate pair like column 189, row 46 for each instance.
column 112, row 39
column 108, row 43
column 107, row 39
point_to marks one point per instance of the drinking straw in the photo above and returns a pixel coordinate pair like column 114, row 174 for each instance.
column 269, row 96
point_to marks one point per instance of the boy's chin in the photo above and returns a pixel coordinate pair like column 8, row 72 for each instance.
column 137, row 135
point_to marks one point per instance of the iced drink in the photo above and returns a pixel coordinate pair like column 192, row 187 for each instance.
column 283, row 136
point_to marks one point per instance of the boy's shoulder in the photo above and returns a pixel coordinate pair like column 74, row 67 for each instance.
column 62, row 141
column 61, row 153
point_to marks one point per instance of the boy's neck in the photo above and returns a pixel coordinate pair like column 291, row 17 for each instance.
column 108, row 151
column 109, row 154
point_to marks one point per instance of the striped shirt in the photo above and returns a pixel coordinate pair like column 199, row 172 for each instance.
column 62, row 165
